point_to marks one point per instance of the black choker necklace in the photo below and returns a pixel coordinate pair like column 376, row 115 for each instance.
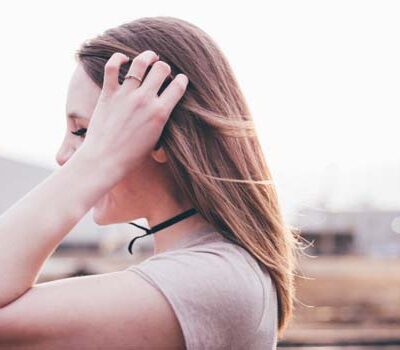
column 161, row 225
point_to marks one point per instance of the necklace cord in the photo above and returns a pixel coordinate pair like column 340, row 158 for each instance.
column 161, row 225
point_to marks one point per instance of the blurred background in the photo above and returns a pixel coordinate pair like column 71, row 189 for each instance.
column 322, row 79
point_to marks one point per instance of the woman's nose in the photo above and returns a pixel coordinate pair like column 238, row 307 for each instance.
column 63, row 155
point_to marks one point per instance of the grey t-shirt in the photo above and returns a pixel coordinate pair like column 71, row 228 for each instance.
column 222, row 297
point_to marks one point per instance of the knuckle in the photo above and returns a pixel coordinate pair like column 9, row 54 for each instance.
column 110, row 67
column 141, row 99
column 163, row 66
column 140, row 62
column 112, row 63
column 159, row 109
column 180, row 85
column 150, row 52
column 118, row 55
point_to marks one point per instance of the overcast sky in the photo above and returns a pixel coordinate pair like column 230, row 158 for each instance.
column 322, row 79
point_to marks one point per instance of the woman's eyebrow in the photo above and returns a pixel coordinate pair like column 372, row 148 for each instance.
column 74, row 115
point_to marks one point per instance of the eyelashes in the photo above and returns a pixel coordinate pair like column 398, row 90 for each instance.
column 80, row 132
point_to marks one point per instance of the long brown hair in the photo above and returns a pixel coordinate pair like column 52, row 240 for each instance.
column 211, row 143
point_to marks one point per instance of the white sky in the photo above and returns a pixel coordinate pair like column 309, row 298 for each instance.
column 322, row 79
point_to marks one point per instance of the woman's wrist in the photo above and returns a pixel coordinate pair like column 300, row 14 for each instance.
column 103, row 170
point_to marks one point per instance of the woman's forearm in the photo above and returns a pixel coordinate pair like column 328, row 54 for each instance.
column 33, row 227
column 124, row 128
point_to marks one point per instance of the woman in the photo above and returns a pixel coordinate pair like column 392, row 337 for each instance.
column 161, row 136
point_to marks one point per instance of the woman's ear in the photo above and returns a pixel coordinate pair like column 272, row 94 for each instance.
column 159, row 155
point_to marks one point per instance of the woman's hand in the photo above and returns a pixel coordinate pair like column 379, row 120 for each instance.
column 129, row 117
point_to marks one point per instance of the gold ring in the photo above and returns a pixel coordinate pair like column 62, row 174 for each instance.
column 133, row 77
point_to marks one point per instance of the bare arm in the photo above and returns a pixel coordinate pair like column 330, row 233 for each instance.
column 117, row 310
column 33, row 227
column 109, row 311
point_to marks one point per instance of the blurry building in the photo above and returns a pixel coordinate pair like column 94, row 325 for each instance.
column 363, row 232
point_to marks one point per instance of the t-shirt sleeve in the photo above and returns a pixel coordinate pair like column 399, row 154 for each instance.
column 215, row 298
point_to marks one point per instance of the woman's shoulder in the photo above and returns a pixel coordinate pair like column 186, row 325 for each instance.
column 214, row 283
column 213, row 257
